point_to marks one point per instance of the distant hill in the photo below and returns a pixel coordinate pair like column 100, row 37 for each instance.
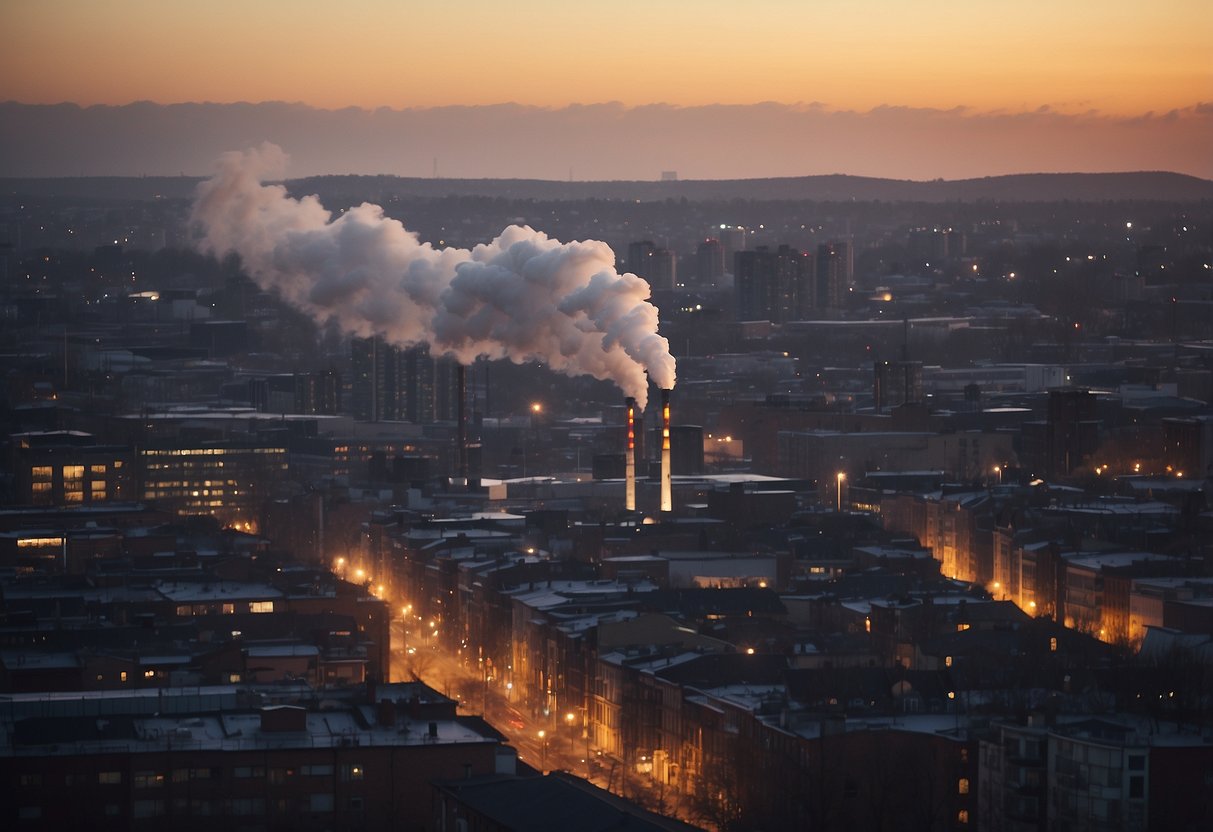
column 1036, row 187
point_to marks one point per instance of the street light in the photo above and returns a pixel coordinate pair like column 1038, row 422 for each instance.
column 998, row 471
column 841, row 478
column 543, row 751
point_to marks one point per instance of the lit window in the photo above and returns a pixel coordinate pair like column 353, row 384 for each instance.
column 73, row 496
column 73, row 472
column 122, row 676
column 261, row 606
column 1053, row 644
column 962, row 816
column 947, row 661
column 962, row 785
column 97, row 469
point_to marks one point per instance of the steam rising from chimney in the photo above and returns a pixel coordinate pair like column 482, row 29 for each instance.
column 522, row 296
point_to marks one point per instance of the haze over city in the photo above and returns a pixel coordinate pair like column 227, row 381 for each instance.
column 625, row 90
column 572, row 417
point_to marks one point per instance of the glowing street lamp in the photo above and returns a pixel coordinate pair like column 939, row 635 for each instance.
column 998, row 471
column 841, row 476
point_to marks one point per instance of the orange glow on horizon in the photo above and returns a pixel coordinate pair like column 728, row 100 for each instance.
column 1113, row 57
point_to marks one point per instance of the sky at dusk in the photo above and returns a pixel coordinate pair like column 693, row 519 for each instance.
column 1089, row 66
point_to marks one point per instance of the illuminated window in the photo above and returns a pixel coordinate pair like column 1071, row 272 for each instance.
column 947, row 661
column 73, row 496
column 960, row 628
column 962, row 785
column 149, row 674
column 73, row 472
column 962, row 816
column 38, row 542
column 122, row 676
column 97, row 469
column 148, row 779
column 41, row 472
column 261, row 606
column 1053, row 644
column 39, row 487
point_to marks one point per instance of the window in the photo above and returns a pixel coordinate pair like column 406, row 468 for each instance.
column 354, row 804
column 245, row 772
column 109, row 778
column 947, row 661
column 97, row 470
column 248, row 806
column 148, row 779
column 962, row 785
column 73, row 472
column 30, row 779
column 1053, row 644
column 1137, row 787
column 74, row 496
column 261, row 606
column 317, row 771
column 29, row 813
column 1137, row 762
column 147, row 808
column 41, row 472
column 321, row 803
column 962, row 816
column 122, row 676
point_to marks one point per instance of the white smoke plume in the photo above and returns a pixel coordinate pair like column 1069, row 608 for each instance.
column 523, row 296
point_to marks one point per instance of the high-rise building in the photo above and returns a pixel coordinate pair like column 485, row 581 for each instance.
column 401, row 384
column 835, row 274
column 656, row 265
column 663, row 269
column 776, row 286
column 638, row 256
column 709, row 262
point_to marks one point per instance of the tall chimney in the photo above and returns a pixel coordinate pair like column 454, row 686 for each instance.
column 461, row 383
column 667, row 499
column 629, row 458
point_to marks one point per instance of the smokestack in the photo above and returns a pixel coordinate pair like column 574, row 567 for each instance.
column 629, row 459
column 461, row 385
column 667, row 499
